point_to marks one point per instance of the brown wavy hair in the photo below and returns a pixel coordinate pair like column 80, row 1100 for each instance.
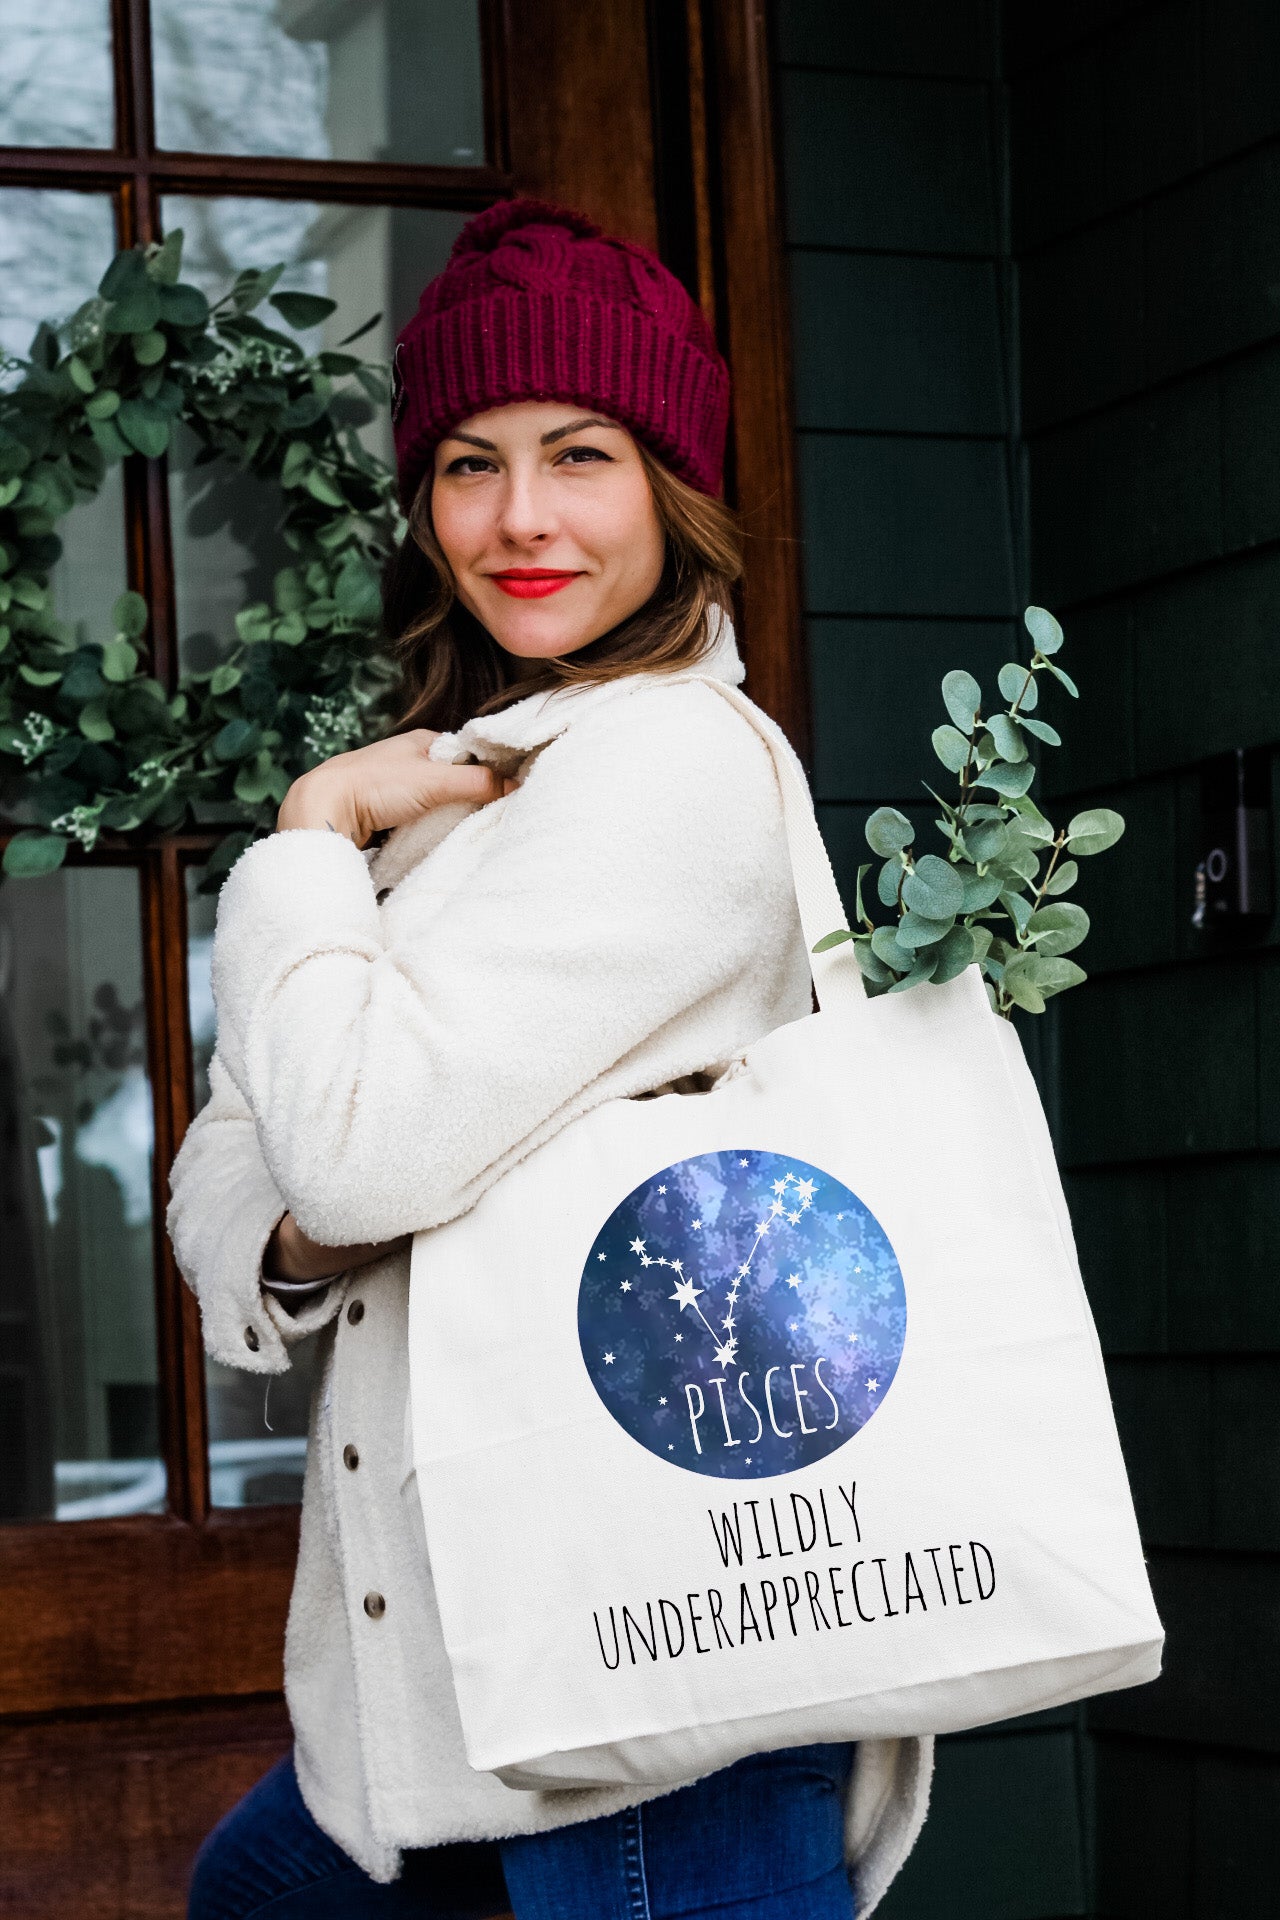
column 452, row 668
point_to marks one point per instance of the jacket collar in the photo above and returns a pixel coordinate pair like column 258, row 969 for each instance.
column 532, row 722
column 504, row 739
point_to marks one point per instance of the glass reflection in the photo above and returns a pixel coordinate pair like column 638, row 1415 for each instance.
column 371, row 260
column 55, row 73
column 395, row 80
column 257, row 1433
column 79, row 1386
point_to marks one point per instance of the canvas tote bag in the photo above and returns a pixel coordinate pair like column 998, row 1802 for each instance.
column 775, row 1414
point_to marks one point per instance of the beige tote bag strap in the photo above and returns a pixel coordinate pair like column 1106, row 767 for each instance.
column 836, row 976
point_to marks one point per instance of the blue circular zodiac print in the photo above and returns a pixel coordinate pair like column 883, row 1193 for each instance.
column 741, row 1314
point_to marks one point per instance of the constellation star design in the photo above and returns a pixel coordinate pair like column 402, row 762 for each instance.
column 625, row 1287
column 608, row 1359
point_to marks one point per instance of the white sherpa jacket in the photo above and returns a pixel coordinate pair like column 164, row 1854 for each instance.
column 396, row 1027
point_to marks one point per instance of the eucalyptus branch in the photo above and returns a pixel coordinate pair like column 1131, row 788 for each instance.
column 986, row 902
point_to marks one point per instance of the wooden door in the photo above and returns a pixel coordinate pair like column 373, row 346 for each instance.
column 141, row 1629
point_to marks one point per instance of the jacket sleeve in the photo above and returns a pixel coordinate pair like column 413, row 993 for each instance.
column 625, row 881
column 223, row 1204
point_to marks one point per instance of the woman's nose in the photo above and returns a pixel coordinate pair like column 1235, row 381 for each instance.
column 526, row 516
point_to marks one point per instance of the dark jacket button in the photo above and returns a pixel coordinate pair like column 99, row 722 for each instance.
column 355, row 1312
column 374, row 1605
column 251, row 1339
column 350, row 1458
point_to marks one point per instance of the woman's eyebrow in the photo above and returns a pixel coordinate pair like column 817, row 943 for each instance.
column 576, row 426
column 472, row 440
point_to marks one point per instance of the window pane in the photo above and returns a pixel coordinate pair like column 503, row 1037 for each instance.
column 79, row 1394
column 55, row 73
column 257, row 1432
column 55, row 247
column 226, row 544
column 324, row 79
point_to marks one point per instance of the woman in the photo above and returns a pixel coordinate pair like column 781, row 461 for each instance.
column 584, row 895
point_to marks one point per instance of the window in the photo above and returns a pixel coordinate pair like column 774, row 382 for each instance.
column 283, row 131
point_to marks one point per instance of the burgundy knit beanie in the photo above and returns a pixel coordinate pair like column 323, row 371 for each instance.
column 537, row 303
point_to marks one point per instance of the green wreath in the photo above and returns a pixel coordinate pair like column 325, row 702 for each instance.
column 95, row 740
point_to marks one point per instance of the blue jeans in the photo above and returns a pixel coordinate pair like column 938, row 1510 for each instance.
column 761, row 1840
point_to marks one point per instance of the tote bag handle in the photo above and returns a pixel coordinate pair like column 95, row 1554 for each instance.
column 836, row 975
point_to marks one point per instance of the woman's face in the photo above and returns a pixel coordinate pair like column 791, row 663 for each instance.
column 544, row 513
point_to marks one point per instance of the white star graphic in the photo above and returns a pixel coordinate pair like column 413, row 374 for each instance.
column 839, row 1216
column 805, row 1188
column 661, row 1189
column 686, row 1293
column 625, row 1287
column 793, row 1279
column 601, row 1256
column 742, row 1163
column 777, row 1207
column 853, row 1336
column 608, row 1359
column 637, row 1246
column 695, row 1223
column 779, row 1186
column 743, row 1272
column 679, row 1338
column 793, row 1217
column 794, row 1325
column 763, row 1226
column 724, row 1354
column 728, row 1321
column 646, row 1260
column 873, row 1386
column 662, row 1400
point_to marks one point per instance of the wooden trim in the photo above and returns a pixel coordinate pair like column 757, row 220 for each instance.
column 578, row 109
column 755, row 332
column 101, row 1613
column 362, row 182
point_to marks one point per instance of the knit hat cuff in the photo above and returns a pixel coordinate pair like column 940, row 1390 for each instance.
column 564, row 345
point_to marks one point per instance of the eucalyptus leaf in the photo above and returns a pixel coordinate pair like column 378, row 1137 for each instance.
column 183, row 306
column 886, row 949
column 303, row 310
column 129, row 615
column 95, row 722
column 32, row 852
column 1042, row 730
column 1058, row 928
column 987, row 841
column 934, row 889
column 915, row 931
column 1063, row 878
column 1018, row 909
column 888, row 880
column 1010, row 744
column 119, row 660
column 149, row 348
column 1043, row 628
column 144, row 426
column 951, row 747
column 1065, row 678
column 982, row 891
column 955, row 953
column 1011, row 781
column 888, row 831
column 981, row 937
column 1018, row 983
column 872, row 968
column 962, row 697
column 1094, row 831
column 860, row 911
column 924, row 969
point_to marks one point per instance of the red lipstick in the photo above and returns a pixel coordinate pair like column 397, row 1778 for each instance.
column 532, row 583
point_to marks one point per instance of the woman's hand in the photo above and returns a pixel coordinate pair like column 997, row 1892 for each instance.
column 385, row 784
column 290, row 1255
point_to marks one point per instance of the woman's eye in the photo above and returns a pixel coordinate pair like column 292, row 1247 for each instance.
column 470, row 463
column 580, row 456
